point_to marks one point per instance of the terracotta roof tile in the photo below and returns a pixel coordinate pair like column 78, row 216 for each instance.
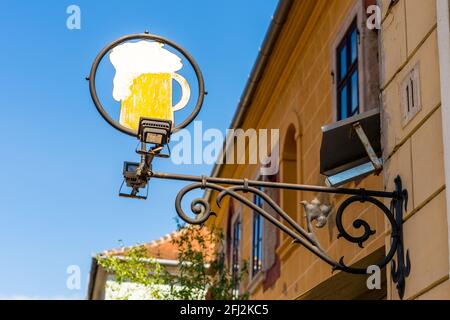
column 163, row 248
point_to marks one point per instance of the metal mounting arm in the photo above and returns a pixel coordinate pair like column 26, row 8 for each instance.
column 366, row 143
column 235, row 187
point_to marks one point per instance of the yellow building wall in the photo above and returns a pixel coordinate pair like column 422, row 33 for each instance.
column 415, row 150
column 297, row 90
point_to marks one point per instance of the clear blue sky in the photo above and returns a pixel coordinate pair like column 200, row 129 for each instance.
column 61, row 163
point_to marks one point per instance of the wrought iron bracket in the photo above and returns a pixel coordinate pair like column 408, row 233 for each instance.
column 236, row 189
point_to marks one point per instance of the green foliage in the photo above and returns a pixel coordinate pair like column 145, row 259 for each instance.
column 201, row 272
column 136, row 267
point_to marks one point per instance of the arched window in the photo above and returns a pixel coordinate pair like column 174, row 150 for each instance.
column 289, row 173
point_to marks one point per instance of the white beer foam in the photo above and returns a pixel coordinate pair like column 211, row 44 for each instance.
column 133, row 59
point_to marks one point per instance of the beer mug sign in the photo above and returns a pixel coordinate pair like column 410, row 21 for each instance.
column 145, row 72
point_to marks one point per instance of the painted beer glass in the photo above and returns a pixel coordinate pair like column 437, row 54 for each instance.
column 143, row 82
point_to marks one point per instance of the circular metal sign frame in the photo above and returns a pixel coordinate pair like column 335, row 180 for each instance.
column 144, row 36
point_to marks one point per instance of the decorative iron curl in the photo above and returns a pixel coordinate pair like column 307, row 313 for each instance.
column 368, row 232
column 200, row 207
column 400, row 270
column 202, row 212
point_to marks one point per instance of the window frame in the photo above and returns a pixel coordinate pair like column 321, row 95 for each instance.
column 257, row 238
column 352, row 68
column 269, row 244
column 369, row 67
column 236, row 251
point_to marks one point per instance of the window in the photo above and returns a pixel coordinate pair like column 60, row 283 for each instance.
column 264, row 261
column 355, row 65
column 235, row 261
column 257, row 243
column 347, row 74
column 356, row 96
column 290, row 174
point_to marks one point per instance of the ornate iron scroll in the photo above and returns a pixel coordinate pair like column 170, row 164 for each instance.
column 236, row 189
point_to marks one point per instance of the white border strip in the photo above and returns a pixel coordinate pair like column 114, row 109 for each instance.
column 443, row 30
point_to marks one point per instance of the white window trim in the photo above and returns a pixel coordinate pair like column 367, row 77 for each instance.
column 443, row 31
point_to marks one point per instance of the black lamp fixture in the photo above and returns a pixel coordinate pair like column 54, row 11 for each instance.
column 154, row 135
column 155, row 131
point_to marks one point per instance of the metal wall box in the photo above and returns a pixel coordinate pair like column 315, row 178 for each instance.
column 343, row 154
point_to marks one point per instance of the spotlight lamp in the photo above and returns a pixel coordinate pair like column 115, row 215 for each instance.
column 146, row 65
column 133, row 180
column 155, row 131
